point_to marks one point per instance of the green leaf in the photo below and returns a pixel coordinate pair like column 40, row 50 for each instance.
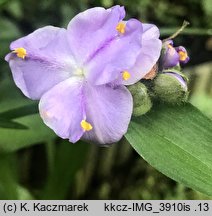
column 9, row 186
column 12, row 139
column 23, row 193
column 8, row 178
column 178, row 142
column 20, row 111
column 5, row 123
column 13, row 104
column 69, row 159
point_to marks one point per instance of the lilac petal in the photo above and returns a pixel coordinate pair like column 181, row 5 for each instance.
column 121, row 10
column 150, row 31
column 48, row 61
column 109, row 111
column 62, row 109
column 148, row 56
column 170, row 56
column 116, row 56
column 89, row 30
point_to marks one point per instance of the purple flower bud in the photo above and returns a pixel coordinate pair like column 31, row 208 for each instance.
column 170, row 56
column 184, row 58
column 173, row 56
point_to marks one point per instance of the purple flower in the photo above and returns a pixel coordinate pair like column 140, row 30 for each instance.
column 148, row 55
column 172, row 56
column 183, row 55
column 79, row 73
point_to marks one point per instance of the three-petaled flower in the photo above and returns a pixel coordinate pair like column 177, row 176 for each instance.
column 79, row 73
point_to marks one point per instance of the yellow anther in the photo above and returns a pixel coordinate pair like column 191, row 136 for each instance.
column 121, row 27
column 183, row 55
column 170, row 46
column 20, row 52
column 86, row 125
column 172, row 50
column 126, row 75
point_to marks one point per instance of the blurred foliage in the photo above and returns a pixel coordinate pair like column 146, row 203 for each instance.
column 201, row 87
column 56, row 169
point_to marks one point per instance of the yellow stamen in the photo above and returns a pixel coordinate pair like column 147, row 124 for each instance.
column 20, row 52
column 170, row 46
column 172, row 50
column 126, row 75
column 183, row 55
column 86, row 125
column 121, row 27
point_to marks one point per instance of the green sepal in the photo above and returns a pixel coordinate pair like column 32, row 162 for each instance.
column 141, row 99
column 177, row 71
column 168, row 89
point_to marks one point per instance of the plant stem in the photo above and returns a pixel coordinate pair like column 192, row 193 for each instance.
column 185, row 23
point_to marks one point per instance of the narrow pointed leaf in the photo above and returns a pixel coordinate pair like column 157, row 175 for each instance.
column 176, row 140
column 22, row 111
column 13, row 105
column 5, row 123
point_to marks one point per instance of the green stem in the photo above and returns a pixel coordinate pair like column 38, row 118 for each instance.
column 175, row 34
column 189, row 31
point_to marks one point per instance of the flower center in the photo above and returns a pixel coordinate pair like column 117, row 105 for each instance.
column 79, row 72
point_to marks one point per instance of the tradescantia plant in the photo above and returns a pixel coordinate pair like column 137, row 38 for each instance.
column 80, row 74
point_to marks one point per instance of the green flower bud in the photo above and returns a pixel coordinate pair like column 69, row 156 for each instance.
column 141, row 100
column 171, row 87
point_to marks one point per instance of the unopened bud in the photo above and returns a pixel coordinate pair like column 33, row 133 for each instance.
column 184, row 58
column 171, row 87
column 141, row 99
column 172, row 56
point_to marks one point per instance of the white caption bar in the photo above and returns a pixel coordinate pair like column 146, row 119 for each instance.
column 106, row 207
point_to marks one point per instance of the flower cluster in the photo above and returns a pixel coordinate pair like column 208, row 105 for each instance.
column 79, row 73
column 171, row 85
column 165, row 82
